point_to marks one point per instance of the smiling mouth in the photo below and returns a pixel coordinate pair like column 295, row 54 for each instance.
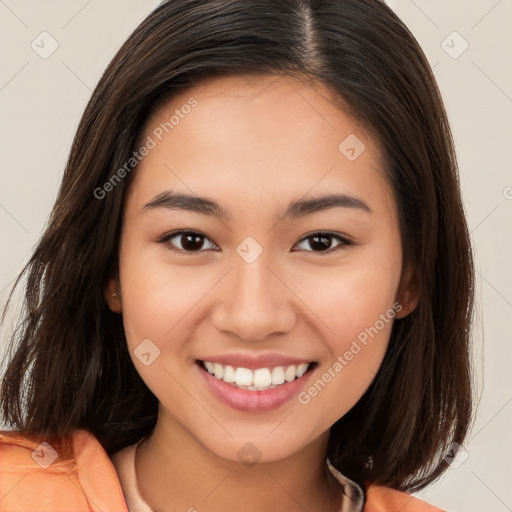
column 259, row 379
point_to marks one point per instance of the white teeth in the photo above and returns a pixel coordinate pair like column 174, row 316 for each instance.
column 218, row 370
column 229, row 374
column 301, row 369
column 243, row 377
column 290, row 373
column 278, row 375
column 260, row 379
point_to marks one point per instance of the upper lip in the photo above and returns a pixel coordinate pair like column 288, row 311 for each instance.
column 254, row 361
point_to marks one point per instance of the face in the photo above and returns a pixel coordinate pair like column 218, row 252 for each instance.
column 251, row 319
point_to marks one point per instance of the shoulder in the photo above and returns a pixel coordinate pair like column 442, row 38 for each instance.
column 385, row 499
column 72, row 473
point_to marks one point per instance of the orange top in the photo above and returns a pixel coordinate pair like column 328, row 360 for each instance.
column 33, row 479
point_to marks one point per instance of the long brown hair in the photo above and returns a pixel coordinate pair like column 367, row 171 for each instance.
column 69, row 365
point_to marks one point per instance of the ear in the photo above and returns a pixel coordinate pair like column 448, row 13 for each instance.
column 113, row 295
column 408, row 293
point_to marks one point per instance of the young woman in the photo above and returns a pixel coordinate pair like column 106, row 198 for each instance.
column 255, row 289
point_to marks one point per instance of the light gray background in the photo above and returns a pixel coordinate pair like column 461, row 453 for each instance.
column 41, row 102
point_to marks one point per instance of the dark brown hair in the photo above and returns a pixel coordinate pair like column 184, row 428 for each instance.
column 69, row 366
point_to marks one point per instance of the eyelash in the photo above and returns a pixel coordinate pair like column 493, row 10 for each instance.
column 344, row 241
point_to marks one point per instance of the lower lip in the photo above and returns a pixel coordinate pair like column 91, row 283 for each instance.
column 253, row 401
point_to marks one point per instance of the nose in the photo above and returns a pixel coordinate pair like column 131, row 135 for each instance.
column 254, row 302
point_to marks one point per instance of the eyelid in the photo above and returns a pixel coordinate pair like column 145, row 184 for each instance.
column 344, row 239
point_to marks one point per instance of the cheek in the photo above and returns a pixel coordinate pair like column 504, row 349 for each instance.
column 353, row 296
column 158, row 305
column 357, row 308
column 158, row 297
column 356, row 353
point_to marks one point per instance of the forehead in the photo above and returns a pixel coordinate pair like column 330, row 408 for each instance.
column 266, row 136
column 250, row 104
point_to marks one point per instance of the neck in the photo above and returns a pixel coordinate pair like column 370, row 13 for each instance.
column 176, row 473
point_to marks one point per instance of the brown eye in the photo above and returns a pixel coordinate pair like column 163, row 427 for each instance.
column 322, row 242
column 187, row 241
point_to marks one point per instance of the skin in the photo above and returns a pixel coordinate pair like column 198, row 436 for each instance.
column 254, row 146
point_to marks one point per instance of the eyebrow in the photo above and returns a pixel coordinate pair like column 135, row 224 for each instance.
column 300, row 208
